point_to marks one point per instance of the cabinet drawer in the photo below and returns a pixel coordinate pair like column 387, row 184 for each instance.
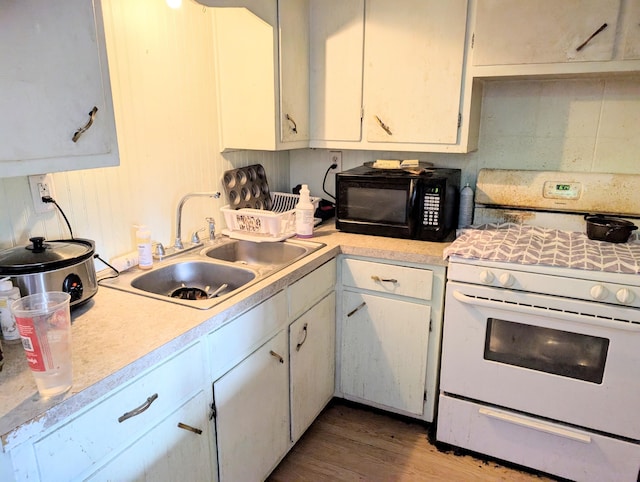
column 387, row 278
column 308, row 290
column 85, row 440
column 230, row 344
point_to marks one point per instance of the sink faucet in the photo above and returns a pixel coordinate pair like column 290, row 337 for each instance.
column 178, row 242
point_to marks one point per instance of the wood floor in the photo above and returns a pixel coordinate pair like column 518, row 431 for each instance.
column 349, row 442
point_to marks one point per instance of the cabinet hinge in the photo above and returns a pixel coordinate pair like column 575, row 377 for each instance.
column 473, row 39
column 459, row 119
column 430, row 325
column 425, row 396
column 213, row 413
column 361, row 113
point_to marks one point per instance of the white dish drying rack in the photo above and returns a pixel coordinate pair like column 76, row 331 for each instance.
column 261, row 225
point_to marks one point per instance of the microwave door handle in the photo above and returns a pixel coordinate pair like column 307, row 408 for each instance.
column 556, row 313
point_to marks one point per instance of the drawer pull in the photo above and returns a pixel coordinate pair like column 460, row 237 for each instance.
column 536, row 425
column 83, row 129
column 189, row 428
column 294, row 126
column 384, row 126
column 584, row 44
column 139, row 410
column 275, row 355
column 304, row 338
column 377, row 279
column 353, row 311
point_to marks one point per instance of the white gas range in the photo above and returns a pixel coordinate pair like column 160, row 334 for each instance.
column 541, row 344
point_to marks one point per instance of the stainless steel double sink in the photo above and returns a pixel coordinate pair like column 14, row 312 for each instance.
column 205, row 277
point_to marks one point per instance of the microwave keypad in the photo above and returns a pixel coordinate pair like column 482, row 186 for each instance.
column 431, row 209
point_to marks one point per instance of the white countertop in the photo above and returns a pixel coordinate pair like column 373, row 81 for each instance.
column 117, row 335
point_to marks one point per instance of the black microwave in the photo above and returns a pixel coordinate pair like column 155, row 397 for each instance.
column 416, row 203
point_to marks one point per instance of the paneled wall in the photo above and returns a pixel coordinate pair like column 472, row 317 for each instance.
column 590, row 125
column 161, row 63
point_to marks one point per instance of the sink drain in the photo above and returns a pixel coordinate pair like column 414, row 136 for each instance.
column 185, row 293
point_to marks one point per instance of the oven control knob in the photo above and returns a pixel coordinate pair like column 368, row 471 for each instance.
column 486, row 277
column 506, row 280
column 599, row 292
column 625, row 296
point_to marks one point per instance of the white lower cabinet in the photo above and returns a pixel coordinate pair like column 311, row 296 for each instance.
column 252, row 413
column 389, row 325
column 312, row 348
column 176, row 448
column 384, row 350
column 133, row 432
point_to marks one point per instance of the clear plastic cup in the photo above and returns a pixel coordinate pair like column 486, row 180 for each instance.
column 44, row 323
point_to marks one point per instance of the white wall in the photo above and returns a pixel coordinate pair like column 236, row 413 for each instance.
column 161, row 63
column 588, row 125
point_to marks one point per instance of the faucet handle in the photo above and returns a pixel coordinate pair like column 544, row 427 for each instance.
column 212, row 228
column 195, row 239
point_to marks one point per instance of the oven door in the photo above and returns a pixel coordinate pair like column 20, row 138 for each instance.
column 566, row 360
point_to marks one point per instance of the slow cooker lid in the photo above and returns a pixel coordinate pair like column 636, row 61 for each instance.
column 44, row 255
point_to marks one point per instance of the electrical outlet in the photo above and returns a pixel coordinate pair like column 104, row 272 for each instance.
column 335, row 157
column 41, row 185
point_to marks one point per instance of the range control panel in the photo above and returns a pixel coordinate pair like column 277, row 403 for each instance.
column 576, row 192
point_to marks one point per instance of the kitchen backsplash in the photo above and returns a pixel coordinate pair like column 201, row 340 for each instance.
column 165, row 102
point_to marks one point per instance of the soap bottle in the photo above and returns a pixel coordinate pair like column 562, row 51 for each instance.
column 8, row 294
column 143, row 241
column 304, row 214
column 465, row 215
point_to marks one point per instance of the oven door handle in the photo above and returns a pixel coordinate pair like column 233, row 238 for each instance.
column 535, row 425
column 532, row 310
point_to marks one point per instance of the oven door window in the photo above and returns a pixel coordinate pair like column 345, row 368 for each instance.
column 563, row 353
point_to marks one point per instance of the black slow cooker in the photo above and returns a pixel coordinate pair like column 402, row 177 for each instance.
column 61, row 265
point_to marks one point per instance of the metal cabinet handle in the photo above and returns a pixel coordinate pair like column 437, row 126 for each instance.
column 360, row 306
column 139, row 410
column 584, row 44
column 304, row 338
column 83, row 129
column 377, row 279
column 295, row 126
column 275, row 355
column 189, row 428
column 384, row 126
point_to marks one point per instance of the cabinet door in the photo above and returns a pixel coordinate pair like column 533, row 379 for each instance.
column 544, row 31
column 293, row 19
column 168, row 451
column 252, row 413
column 312, row 348
column 632, row 31
column 337, row 46
column 384, row 351
column 54, row 72
column 413, row 61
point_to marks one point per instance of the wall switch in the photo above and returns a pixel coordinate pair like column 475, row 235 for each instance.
column 41, row 185
column 335, row 157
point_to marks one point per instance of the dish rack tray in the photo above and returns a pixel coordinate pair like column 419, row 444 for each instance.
column 262, row 225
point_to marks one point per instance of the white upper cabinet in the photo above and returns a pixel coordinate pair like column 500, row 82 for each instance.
column 632, row 31
column 548, row 37
column 413, row 62
column 391, row 75
column 337, row 47
column 56, row 110
column 544, row 31
column 262, row 71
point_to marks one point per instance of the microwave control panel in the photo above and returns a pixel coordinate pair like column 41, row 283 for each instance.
column 431, row 206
